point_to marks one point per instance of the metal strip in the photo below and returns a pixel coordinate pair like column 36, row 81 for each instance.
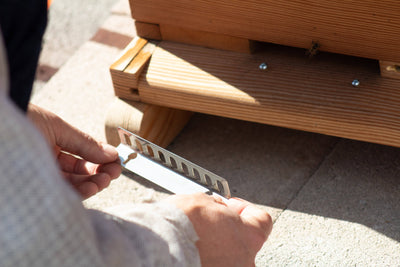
column 137, row 152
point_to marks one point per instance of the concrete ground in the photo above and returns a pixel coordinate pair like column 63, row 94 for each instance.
column 335, row 202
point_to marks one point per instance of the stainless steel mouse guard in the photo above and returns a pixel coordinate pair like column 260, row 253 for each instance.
column 166, row 169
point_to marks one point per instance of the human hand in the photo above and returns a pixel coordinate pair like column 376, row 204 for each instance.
column 229, row 234
column 88, row 165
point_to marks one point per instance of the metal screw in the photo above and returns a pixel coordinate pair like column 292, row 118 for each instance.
column 355, row 83
column 263, row 66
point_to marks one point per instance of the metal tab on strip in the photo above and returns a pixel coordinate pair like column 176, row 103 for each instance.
column 174, row 162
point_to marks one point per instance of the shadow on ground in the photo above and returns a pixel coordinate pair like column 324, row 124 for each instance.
column 306, row 172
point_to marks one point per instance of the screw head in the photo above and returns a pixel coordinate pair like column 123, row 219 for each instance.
column 263, row 66
column 355, row 83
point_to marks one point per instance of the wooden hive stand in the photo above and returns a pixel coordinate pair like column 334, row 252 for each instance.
column 317, row 66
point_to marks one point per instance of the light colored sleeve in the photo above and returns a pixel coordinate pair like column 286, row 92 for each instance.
column 151, row 229
column 43, row 222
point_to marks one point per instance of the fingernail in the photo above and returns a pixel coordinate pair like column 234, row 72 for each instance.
column 110, row 150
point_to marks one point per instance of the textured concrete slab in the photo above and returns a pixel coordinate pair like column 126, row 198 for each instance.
column 82, row 89
column 71, row 23
column 122, row 8
column 111, row 38
column 263, row 164
column 347, row 214
column 121, row 24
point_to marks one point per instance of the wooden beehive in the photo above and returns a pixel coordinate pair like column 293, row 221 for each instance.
column 208, row 55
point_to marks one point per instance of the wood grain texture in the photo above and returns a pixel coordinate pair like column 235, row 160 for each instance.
column 390, row 69
column 364, row 28
column 126, row 70
column 139, row 61
column 126, row 92
column 128, row 54
column 148, row 30
column 296, row 92
column 206, row 39
column 157, row 124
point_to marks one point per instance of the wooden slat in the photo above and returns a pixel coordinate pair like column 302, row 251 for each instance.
column 126, row 70
column 296, row 92
column 364, row 28
column 128, row 54
column 206, row 39
column 141, row 58
column 390, row 69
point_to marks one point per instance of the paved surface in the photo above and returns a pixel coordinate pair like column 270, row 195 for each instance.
column 335, row 202
column 70, row 24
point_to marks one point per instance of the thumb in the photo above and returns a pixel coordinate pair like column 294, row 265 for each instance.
column 257, row 218
column 72, row 140
column 252, row 216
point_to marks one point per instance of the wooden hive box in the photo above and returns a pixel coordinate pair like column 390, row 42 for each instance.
column 363, row 28
column 209, row 58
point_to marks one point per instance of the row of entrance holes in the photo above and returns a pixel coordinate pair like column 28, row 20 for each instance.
column 184, row 169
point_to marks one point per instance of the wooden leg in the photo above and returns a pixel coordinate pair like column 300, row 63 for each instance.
column 157, row 124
